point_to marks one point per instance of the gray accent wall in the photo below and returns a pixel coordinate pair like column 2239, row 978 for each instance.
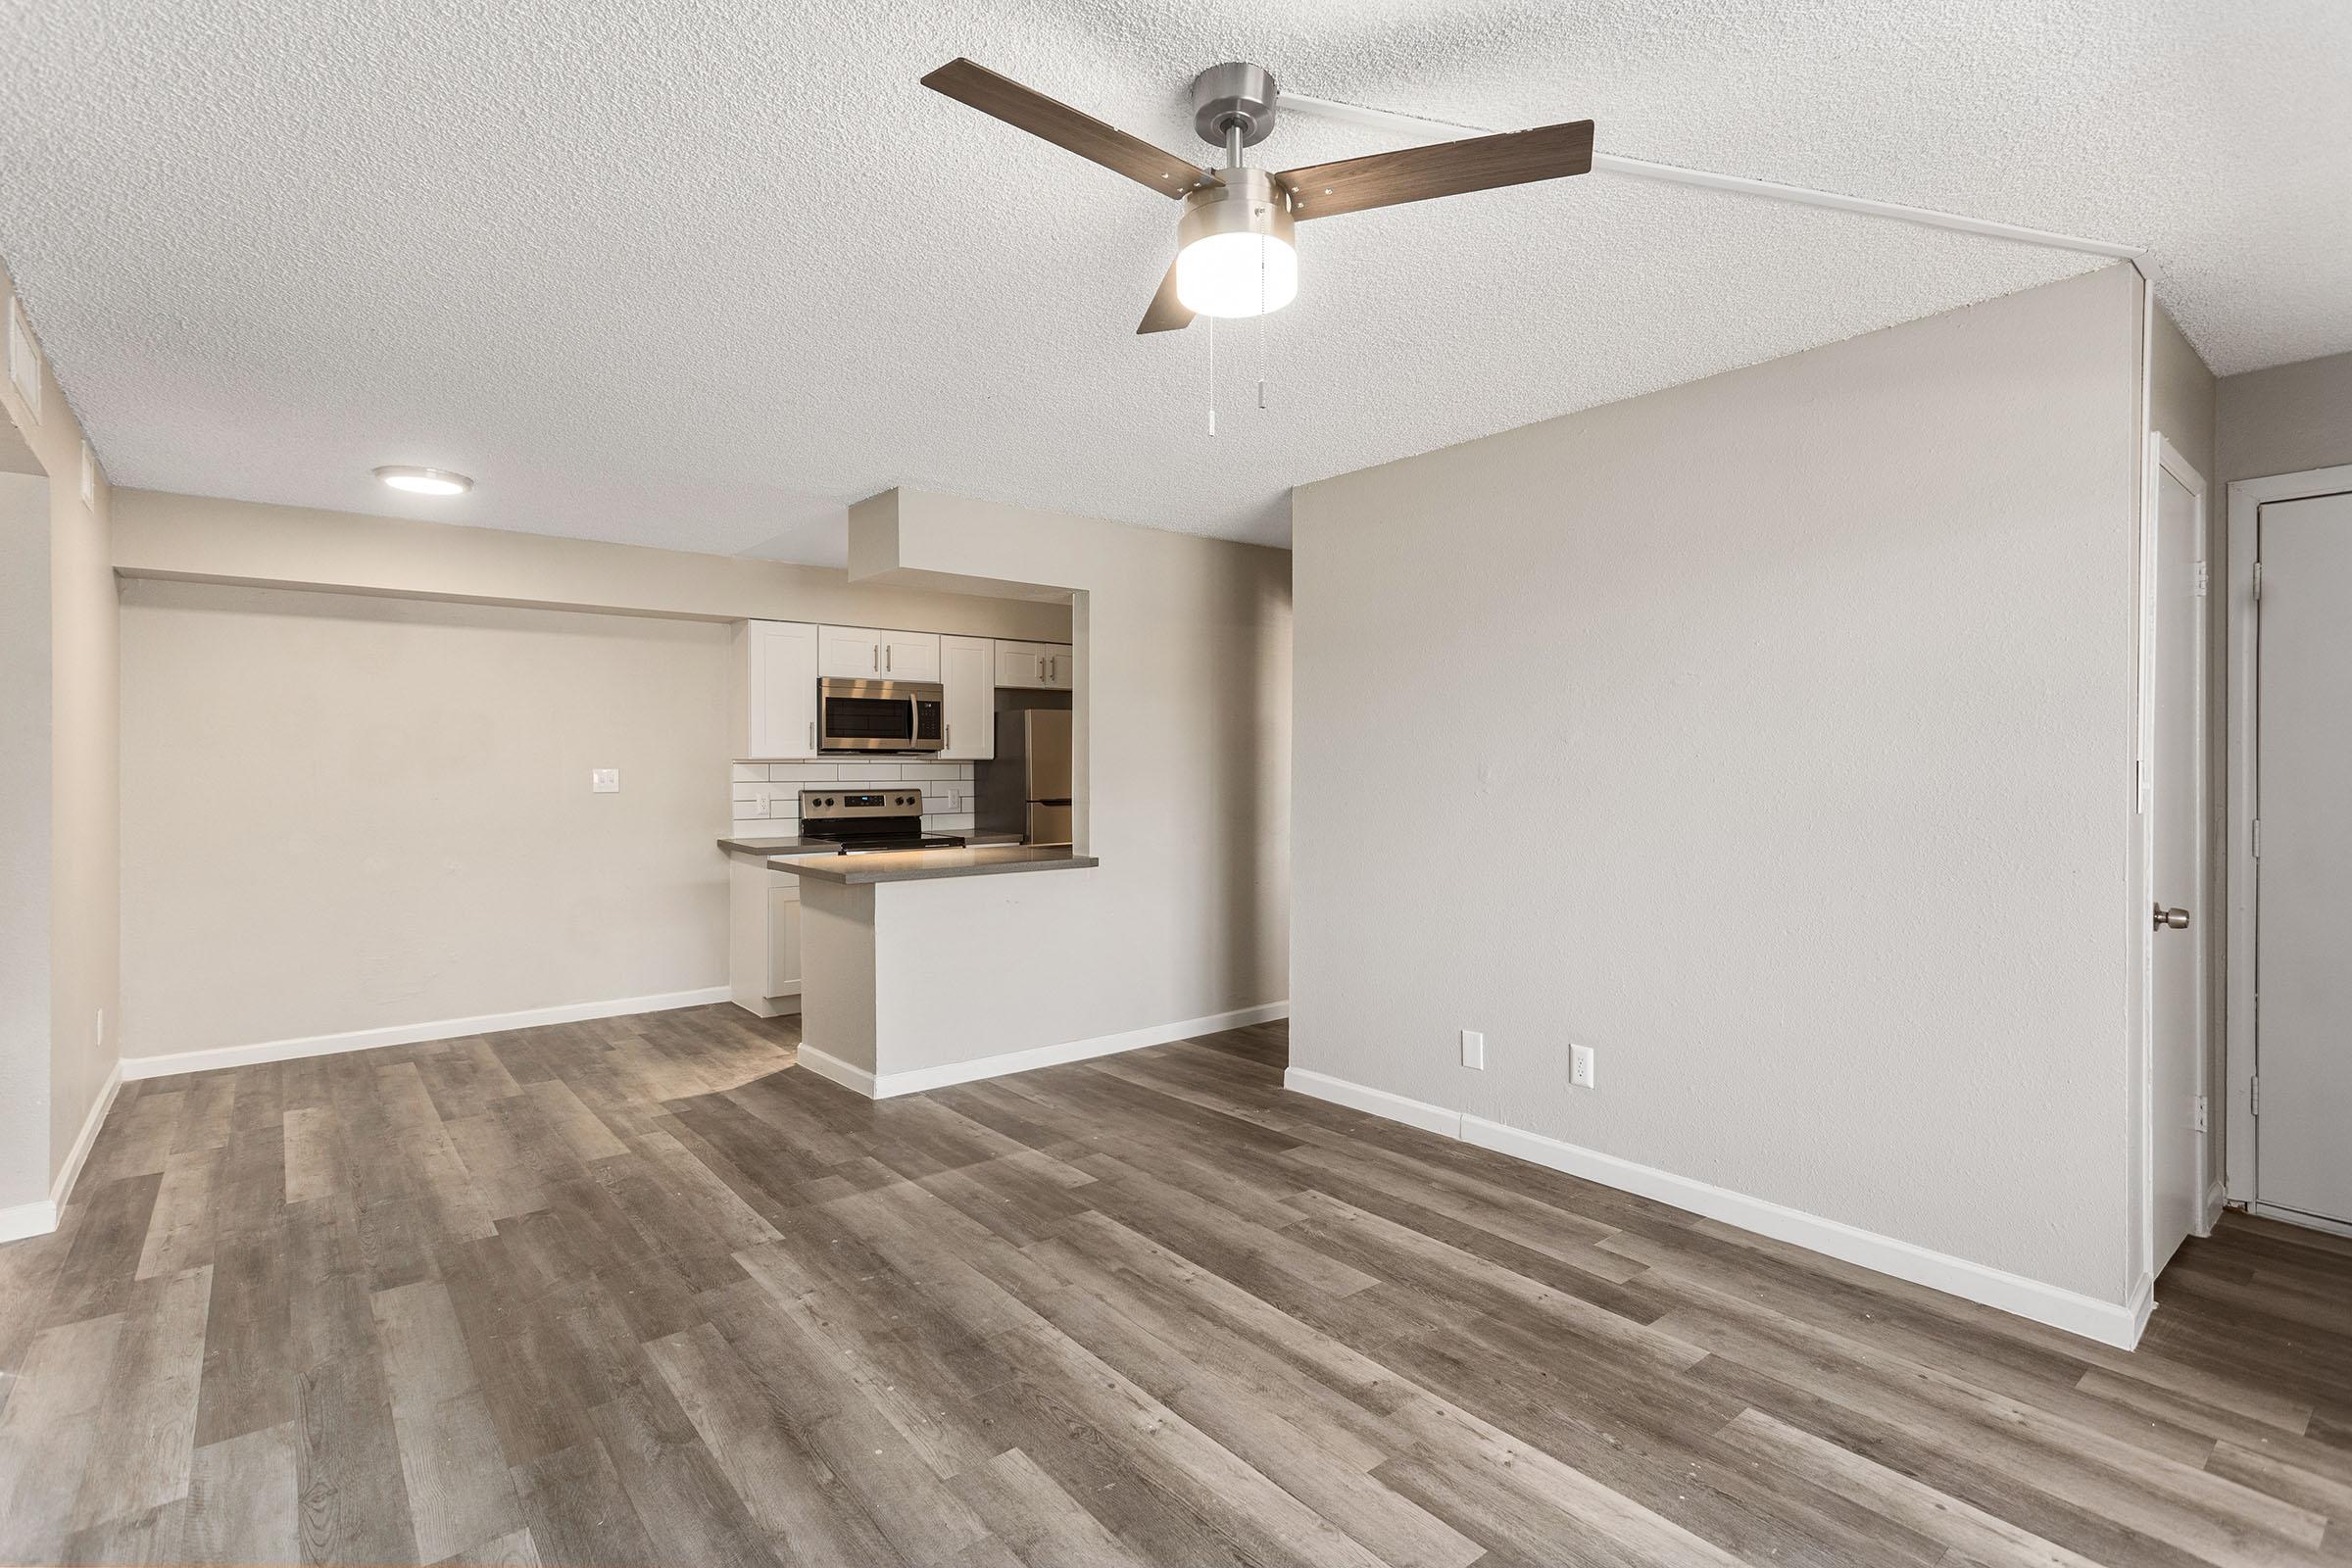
column 1772, row 735
column 2286, row 419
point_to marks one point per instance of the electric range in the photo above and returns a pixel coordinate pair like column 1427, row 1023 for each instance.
column 868, row 819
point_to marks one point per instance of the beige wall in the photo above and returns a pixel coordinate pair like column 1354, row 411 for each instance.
column 202, row 539
column 2286, row 419
column 25, row 834
column 1774, row 736
column 81, row 897
column 344, row 813
column 1182, row 787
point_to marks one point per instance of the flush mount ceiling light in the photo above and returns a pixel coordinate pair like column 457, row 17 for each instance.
column 423, row 482
column 1235, row 255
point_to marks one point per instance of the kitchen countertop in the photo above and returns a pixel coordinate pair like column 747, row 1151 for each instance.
column 777, row 845
column 922, row 865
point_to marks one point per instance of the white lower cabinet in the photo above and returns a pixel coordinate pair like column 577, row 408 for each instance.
column 784, row 936
column 763, row 936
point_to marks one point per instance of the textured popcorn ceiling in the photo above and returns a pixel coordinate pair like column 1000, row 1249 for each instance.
column 697, row 273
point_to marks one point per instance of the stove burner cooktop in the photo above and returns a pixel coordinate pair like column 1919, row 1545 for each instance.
column 868, row 819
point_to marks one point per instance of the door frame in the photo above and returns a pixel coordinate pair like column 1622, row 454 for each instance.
column 2240, row 1045
column 2164, row 458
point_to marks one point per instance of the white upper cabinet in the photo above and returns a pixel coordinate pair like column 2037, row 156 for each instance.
column 967, row 670
column 777, row 663
column 855, row 651
column 909, row 656
column 1035, row 667
column 848, row 652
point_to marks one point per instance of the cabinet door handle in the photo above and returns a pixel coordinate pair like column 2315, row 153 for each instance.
column 946, row 735
column 812, row 735
column 1041, row 666
column 889, row 658
column 1054, row 669
column 877, row 659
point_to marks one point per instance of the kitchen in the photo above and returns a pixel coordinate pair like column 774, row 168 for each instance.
column 866, row 756
column 391, row 781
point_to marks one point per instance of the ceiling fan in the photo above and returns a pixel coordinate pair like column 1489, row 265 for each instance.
column 1234, row 253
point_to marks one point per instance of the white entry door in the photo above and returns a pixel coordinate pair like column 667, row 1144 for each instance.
column 2177, row 864
column 2303, row 761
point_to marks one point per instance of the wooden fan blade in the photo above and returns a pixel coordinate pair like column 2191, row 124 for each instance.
column 1168, row 312
column 1066, row 128
column 1442, row 168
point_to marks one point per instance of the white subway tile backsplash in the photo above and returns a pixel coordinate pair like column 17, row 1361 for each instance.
column 767, row 800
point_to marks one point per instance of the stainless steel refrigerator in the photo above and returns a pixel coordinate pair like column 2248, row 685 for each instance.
column 1026, row 789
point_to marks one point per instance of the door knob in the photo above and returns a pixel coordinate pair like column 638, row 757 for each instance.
column 2178, row 919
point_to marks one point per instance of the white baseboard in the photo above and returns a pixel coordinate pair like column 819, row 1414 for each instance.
column 2143, row 1303
column 1375, row 1102
column 2310, row 1222
column 2108, row 1322
column 889, row 1084
column 410, row 1034
column 833, row 1069
column 40, row 1217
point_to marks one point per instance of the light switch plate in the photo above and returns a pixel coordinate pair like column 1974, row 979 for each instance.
column 1474, row 1050
column 605, row 780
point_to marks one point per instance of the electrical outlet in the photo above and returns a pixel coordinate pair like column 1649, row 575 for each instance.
column 1474, row 1050
column 604, row 781
column 1580, row 1066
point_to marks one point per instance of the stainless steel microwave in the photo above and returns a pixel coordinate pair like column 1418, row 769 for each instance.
column 881, row 715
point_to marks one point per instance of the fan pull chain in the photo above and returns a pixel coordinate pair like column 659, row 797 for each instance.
column 1259, row 331
column 1213, row 376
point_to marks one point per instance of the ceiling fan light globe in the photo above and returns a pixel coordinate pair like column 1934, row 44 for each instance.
column 1237, row 275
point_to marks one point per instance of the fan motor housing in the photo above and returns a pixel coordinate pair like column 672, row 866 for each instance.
column 1245, row 201
column 1235, row 93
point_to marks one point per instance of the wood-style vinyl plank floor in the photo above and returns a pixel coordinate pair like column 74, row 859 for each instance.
column 642, row 1290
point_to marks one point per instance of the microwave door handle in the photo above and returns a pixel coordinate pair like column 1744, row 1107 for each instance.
column 915, row 721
